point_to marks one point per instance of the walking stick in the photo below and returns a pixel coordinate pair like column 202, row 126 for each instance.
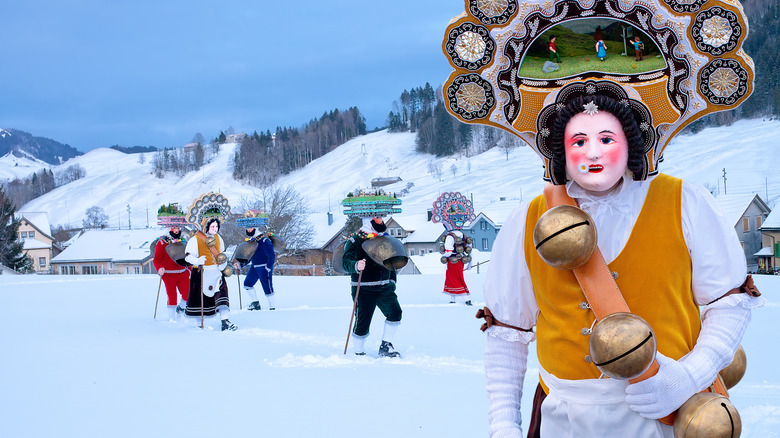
column 238, row 279
column 201, row 298
column 158, row 298
column 354, row 306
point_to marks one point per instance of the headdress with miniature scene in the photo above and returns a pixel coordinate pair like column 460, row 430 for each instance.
column 171, row 216
column 253, row 219
column 370, row 203
column 208, row 206
column 495, row 49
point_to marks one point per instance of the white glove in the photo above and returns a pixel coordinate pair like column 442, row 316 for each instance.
column 200, row 261
column 663, row 393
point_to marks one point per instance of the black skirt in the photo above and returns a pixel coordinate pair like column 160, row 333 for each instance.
column 197, row 300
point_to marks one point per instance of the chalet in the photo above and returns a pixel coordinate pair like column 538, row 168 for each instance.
column 769, row 254
column 38, row 244
column 384, row 181
column 106, row 251
column 747, row 214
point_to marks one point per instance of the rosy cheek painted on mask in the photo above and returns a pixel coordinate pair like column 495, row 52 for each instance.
column 596, row 151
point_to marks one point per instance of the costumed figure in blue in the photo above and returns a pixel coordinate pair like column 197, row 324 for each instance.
column 373, row 283
column 261, row 264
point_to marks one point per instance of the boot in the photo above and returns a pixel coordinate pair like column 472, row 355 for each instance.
column 227, row 325
column 468, row 302
column 254, row 305
column 387, row 350
column 181, row 308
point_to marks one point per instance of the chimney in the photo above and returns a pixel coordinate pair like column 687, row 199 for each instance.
column 330, row 218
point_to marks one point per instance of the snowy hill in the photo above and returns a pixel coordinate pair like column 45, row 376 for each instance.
column 114, row 181
column 12, row 167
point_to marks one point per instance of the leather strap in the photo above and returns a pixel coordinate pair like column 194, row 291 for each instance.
column 491, row 321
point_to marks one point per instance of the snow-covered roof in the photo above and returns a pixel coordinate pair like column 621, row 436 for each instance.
column 765, row 251
column 33, row 243
column 110, row 245
column 323, row 231
column 734, row 206
column 497, row 211
column 420, row 229
column 38, row 219
column 772, row 222
column 431, row 263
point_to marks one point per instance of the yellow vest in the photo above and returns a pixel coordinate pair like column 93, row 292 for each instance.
column 203, row 249
column 654, row 276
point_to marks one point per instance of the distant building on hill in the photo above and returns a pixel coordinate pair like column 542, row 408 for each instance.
column 384, row 181
column 108, row 252
column 747, row 214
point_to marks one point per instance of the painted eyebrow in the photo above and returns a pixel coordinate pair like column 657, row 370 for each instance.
column 607, row 131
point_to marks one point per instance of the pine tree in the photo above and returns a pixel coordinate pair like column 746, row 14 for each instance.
column 11, row 254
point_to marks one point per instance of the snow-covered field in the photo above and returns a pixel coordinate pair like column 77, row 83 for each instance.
column 83, row 357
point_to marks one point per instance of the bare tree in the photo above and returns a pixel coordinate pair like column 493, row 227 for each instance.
column 454, row 170
column 288, row 216
column 96, row 218
column 435, row 168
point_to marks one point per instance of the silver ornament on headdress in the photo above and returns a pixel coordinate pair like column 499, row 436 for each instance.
column 591, row 108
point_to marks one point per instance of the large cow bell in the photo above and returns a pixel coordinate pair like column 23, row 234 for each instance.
column 245, row 251
column 221, row 258
column 211, row 241
column 228, row 271
column 277, row 242
column 622, row 345
column 565, row 237
column 734, row 372
column 386, row 251
column 707, row 415
column 338, row 258
column 176, row 252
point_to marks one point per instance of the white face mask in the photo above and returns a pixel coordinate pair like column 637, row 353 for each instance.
column 596, row 151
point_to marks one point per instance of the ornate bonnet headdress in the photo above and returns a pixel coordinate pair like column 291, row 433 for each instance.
column 700, row 42
column 453, row 210
column 170, row 215
column 208, row 206
column 253, row 219
column 370, row 203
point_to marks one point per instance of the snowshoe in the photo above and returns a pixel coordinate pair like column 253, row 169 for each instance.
column 254, row 305
column 387, row 350
column 227, row 325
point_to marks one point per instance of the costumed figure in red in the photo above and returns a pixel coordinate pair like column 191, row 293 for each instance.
column 453, row 210
column 169, row 258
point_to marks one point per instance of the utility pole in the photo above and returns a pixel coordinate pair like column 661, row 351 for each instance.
column 725, row 192
column 129, row 225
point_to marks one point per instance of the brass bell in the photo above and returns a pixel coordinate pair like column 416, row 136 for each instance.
column 467, row 250
column 565, row 237
column 221, row 258
column 622, row 345
column 466, row 259
column 228, row 271
column 458, row 248
column 734, row 372
column 444, row 259
column 211, row 241
column 707, row 415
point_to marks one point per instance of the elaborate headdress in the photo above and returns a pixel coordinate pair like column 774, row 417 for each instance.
column 370, row 203
column 208, row 206
column 453, row 210
column 253, row 219
column 171, row 216
column 700, row 42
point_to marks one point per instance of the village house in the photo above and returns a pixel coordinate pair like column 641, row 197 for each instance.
column 769, row 255
column 107, row 251
column 38, row 244
column 747, row 213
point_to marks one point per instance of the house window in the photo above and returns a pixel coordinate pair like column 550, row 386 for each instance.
column 430, row 251
column 137, row 270
column 22, row 234
column 42, row 262
column 482, row 225
column 484, row 244
column 745, row 224
column 392, row 231
column 63, row 270
column 72, row 270
column 758, row 222
column 412, row 252
column 89, row 270
column 127, row 269
column 31, row 234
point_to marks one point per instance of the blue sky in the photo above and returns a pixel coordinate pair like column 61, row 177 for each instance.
column 95, row 73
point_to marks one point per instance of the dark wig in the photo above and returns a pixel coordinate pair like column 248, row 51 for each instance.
column 627, row 119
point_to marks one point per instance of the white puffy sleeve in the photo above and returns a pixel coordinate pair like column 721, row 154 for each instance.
column 508, row 289
column 717, row 257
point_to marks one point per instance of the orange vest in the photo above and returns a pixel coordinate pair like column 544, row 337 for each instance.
column 653, row 274
column 203, row 249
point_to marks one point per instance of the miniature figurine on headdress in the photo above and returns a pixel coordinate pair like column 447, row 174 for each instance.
column 453, row 210
column 168, row 257
column 205, row 252
column 372, row 257
column 257, row 255
column 600, row 128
